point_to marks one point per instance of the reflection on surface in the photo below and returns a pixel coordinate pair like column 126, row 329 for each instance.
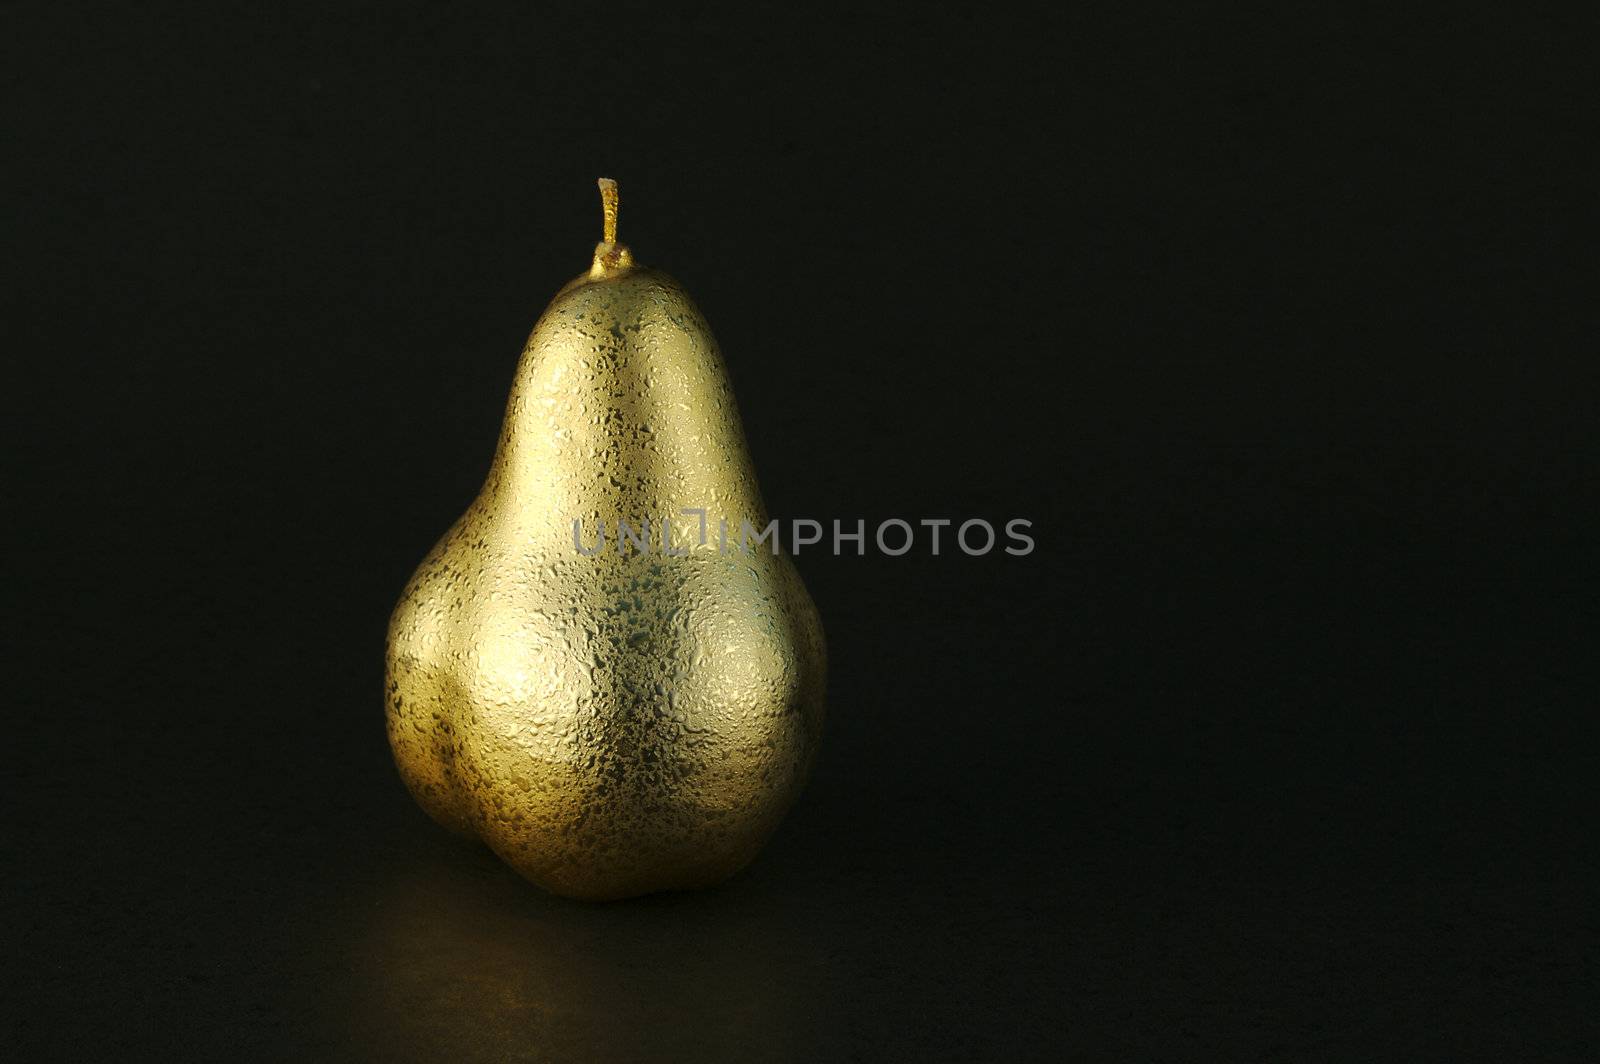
column 462, row 960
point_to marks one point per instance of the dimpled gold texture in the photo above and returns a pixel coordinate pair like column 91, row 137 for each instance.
column 626, row 722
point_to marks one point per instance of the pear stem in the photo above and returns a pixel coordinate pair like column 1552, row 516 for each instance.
column 609, row 206
column 610, row 257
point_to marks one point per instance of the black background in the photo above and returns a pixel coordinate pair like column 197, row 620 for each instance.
column 1274, row 321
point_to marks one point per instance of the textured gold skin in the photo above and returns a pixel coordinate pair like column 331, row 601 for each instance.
column 622, row 723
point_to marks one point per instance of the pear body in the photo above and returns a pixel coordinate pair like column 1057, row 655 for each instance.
column 625, row 721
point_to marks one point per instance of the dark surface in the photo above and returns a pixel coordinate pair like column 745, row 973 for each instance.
column 1280, row 747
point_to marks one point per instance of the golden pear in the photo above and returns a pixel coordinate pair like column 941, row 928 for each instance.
column 619, row 720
